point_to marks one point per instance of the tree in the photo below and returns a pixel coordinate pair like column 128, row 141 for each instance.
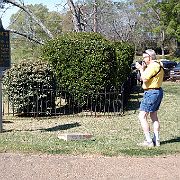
column 171, row 12
column 76, row 13
column 98, row 16
column 149, row 23
column 24, row 48
column 125, row 22
column 25, row 9
column 159, row 16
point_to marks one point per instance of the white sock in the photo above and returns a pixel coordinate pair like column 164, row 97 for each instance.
column 148, row 137
column 156, row 136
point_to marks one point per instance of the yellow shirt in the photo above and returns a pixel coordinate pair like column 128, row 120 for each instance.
column 151, row 70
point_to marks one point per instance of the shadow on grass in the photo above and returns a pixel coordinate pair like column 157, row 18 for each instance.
column 175, row 140
column 8, row 122
column 62, row 127
column 5, row 131
column 55, row 128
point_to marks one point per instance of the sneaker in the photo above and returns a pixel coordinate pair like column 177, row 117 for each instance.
column 146, row 144
column 156, row 143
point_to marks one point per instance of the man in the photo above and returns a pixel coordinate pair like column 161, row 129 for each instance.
column 152, row 76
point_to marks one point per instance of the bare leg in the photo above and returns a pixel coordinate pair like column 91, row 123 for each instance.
column 145, row 126
column 155, row 121
column 156, row 126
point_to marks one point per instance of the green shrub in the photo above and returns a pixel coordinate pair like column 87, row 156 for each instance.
column 124, row 55
column 85, row 63
column 30, row 87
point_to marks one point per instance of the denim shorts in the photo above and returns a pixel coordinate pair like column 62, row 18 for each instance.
column 151, row 100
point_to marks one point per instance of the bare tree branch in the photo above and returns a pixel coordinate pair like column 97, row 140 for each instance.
column 156, row 12
column 26, row 9
column 115, row 29
column 28, row 37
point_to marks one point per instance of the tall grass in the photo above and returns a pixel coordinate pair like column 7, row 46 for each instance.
column 112, row 136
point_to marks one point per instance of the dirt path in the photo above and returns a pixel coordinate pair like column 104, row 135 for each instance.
column 56, row 167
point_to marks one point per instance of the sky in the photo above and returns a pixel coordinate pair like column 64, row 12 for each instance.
column 51, row 5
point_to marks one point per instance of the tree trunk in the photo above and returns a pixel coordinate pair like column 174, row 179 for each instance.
column 163, row 39
column 76, row 16
column 95, row 17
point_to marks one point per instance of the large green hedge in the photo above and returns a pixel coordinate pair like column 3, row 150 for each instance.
column 30, row 86
column 85, row 63
column 124, row 55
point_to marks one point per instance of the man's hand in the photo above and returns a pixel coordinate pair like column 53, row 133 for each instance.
column 141, row 68
column 138, row 66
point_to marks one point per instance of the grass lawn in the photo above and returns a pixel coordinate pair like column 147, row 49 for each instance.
column 112, row 136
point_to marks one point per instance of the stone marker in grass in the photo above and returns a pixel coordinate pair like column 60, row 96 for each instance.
column 74, row 136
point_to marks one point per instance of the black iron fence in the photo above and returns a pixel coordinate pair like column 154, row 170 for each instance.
column 110, row 102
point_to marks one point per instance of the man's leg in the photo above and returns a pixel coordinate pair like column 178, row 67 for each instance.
column 145, row 126
column 156, row 126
